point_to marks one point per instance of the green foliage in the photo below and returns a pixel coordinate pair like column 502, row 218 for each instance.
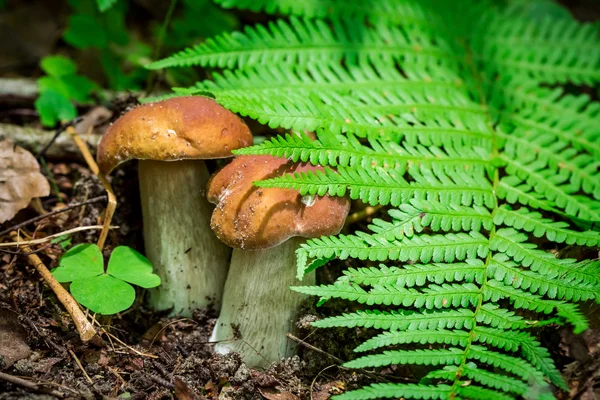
column 59, row 89
column 104, row 5
column 103, row 292
column 465, row 120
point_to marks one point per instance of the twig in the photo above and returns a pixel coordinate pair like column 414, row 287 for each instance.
column 334, row 358
column 50, row 237
column 112, row 199
column 313, row 348
column 111, row 336
column 36, row 387
column 53, row 213
column 85, row 329
column 60, row 130
column 87, row 377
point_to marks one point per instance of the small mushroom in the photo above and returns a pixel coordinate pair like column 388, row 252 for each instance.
column 264, row 225
column 171, row 138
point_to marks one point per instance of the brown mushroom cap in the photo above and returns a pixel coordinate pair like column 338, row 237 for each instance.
column 250, row 217
column 191, row 127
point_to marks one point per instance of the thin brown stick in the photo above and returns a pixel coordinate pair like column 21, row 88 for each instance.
column 87, row 377
column 53, row 213
column 85, row 329
column 313, row 348
column 50, row 237
column 36, row 387
column 112, row 199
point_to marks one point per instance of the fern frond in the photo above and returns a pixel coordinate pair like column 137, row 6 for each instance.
column 304, row 41
column 496, row 317
column 534, row 112
column 424, row 248
column 552, row 186
column 513, row 190
column 347, row 151
column 440, row 336
column 396, row 390
column 510, row 364
column 450, row 112
column 558, row 157
column 496, row 290
column 414, row 216
column 482, row 376
column 383, row 12
column 514, row 244
column 418, row 274
column 573, row 315
column 387, row 186
column 533, row 222
column 332, row 98
column 478, row 392
column 565, row 50
column 513, row 340
column 434, row 296
column 417, row 357
column 554, row 288
column 401, row 320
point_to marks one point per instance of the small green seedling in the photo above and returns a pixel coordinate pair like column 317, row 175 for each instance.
column 103, row 292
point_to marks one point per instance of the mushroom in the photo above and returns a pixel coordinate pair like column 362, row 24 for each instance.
column 171, row 138
column 264, row 225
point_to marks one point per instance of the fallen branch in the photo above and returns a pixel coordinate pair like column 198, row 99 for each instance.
column 84, row 327
column 36, row 387
column 35, row 140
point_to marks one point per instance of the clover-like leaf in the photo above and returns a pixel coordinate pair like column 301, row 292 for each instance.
column 130, row 266
column 80, row 262
column 103, row 294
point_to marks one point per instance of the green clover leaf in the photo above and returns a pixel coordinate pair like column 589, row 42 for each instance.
column 80, row 262
column 107, row 292
column 130, row 266
column 103, row 294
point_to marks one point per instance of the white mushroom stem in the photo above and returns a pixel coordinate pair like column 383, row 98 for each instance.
column 259, row 305
column 191, row 262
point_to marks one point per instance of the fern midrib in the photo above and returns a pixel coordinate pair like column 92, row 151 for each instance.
column 470, row 62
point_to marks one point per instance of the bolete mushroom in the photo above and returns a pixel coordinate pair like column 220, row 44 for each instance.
column 171, row 138
column 264, row 225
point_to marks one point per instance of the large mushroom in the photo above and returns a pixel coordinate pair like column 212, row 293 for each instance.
column 264, row 225
column 171, row 138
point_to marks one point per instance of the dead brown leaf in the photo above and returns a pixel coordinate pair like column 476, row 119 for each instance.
column 13, row 343
column 273, row 394
column 20, row 179
column 182, row 390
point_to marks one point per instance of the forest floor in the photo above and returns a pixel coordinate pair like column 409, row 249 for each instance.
column 145, row 355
